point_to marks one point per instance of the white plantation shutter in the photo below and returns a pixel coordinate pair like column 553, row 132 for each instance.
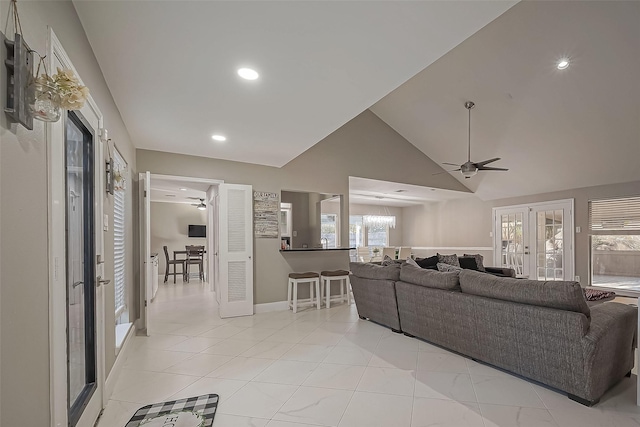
column 609, row 215
column 119, row 265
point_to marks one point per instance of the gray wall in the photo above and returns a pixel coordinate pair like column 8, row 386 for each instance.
column 467, row 222
column 360, row 148
column 24, row 355
column 170, row 226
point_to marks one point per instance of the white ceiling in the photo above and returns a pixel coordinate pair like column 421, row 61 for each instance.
column 164, row 190
column 171, row 66
column 554, row 129
column 384, row 193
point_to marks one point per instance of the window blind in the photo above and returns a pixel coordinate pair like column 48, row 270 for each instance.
column 119, row 264
column 622, row 214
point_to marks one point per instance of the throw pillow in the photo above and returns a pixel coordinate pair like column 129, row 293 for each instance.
column 479, row 259
column 411, row 261
column 449, row 259
column 387, row 260
column 431, row 262
column 448, row 267
column 468, row 262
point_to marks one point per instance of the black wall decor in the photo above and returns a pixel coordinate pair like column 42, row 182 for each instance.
column 19, row 63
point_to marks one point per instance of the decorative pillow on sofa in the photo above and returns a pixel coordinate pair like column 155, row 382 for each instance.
column 449, row 259
column 479, row 259
column 468, row 263
column 411, row 261
column 447, row 267
column 387, row 260
column 430, row 263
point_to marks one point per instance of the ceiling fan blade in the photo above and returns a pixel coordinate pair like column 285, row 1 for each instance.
column 440, row 173
column 451, row 164
column 489, row 168
column 195, row 198
column 486, row 162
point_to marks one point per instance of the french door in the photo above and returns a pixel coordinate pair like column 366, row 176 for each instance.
column 76, row 259
column 535, row 240
column 81, row 271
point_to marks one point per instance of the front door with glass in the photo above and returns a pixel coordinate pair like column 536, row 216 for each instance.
column 80, row 255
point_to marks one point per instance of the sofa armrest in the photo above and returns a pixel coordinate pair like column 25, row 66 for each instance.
column 500, row 271
column 608, row 346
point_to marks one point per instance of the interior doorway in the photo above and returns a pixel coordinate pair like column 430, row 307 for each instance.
column 178, row 237
column 536, row 240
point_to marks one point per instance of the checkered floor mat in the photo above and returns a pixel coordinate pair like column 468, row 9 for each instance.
column 191, row 412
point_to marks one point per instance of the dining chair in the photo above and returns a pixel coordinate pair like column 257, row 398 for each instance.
column 363, row 254
column 391, row 252
column 404, row 253
column 195, row 255
column 174, row 263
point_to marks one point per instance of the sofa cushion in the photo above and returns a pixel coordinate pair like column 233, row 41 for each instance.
column 431, row 262
column 479, row 261
column 449, row 259
column 429, row 278
column 560, row 295
column 374, row 271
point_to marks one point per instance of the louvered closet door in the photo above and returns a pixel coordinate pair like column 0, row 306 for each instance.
column 236, row 250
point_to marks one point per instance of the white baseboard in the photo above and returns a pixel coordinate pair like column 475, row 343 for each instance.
column 121, row 357
column 270, row 306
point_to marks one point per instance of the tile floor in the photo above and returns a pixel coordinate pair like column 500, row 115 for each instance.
column 328, row 368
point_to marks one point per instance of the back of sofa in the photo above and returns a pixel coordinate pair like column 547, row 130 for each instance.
column 540, row 342
column 374, row 292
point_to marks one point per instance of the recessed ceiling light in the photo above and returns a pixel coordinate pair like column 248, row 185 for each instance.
column 563, row 64
column 218, row 138
column 183, row 189
column 248, row 73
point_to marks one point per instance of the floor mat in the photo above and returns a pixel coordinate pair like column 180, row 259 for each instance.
column 191, row 412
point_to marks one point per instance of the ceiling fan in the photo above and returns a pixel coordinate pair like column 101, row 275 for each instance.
column 200, row 205
column 470, row 168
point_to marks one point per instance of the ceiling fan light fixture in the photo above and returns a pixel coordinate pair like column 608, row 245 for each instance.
column 202, row 207
column 469, row 173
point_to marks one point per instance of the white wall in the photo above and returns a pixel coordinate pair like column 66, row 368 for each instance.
column 24, row 305
column 170, row 227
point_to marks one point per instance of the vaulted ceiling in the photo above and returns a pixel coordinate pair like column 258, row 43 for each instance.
column 171, row 66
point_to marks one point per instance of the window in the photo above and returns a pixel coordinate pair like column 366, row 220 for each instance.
column 119, row 240
column 361, row 235
column 329, row 230
column 614, row 227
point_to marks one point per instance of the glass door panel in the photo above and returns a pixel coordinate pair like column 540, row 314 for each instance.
column 549, row 244
column 81, row 337
column 512, row 244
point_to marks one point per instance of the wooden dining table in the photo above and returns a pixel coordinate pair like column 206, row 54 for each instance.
column 185, row 252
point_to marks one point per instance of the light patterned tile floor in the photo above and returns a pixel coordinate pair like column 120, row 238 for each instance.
column 329, row 368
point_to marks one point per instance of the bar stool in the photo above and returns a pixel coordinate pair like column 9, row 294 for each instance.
column 297, row 278
column 343, row 276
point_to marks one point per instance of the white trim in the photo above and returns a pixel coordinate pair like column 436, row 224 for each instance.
column 455, row 248
column 187, row 179
column 56, row 245
column 270, row 306
column 121, row 358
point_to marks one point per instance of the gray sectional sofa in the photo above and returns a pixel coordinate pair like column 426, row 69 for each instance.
column 544, row 331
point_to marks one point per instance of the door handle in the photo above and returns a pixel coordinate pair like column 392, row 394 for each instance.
column 76, row 284
column 100, row 281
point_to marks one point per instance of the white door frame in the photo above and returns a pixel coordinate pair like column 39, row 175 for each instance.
column 530, row 209
column 54, row 138
column 144, row 225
